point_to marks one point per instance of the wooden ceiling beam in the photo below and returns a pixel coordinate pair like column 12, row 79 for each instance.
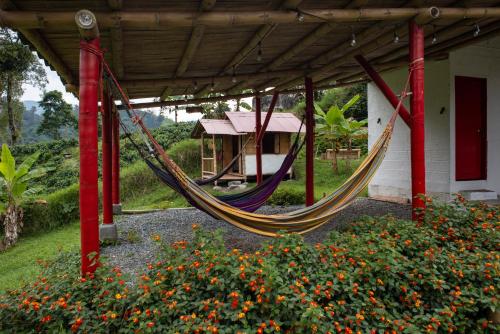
column 249, row 46
column 158, row 19
column 222, row 80
column 191, row 47
column 231, row 97
column 41, row 45
column 308, row 40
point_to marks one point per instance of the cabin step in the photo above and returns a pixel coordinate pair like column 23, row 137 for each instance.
column 479, row 195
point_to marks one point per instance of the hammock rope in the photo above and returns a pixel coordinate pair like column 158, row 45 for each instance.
column 300, row 221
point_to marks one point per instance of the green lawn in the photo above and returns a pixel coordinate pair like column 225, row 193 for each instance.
column 18, row 265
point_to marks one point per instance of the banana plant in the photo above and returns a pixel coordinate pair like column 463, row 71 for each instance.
column 335, row 128
column 14, row 189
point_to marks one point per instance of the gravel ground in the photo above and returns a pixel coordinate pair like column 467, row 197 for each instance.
column 135, row 247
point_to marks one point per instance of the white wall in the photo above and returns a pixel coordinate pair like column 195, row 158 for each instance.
column 394, row 175
column 270, row 164
column 482, row 61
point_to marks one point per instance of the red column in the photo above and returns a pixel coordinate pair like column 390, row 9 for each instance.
column 87, row 128
column 309, row 142
column 416, row 45
column 107, row 204
column 115, row 159
column 258, row 143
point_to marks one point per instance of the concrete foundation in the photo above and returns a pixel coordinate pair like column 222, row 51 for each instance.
column 108, row 232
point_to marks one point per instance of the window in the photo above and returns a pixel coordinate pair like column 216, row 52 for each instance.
column 268, row 146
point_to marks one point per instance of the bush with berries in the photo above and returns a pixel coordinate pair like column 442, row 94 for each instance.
column 382, row 275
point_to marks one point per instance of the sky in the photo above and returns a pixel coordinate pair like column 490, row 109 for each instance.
column 54, row 83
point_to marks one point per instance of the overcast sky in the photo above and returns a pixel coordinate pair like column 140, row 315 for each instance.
column 55, row 83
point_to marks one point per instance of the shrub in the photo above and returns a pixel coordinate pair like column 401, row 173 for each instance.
column 56, row 209
column 380, row 276
column 287, row 196
column 187, row 155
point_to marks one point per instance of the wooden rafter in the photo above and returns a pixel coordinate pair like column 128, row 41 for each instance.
column 44, row 49
column 249, row 46
column 231, row 97
column 192, row 46
column 298, row 47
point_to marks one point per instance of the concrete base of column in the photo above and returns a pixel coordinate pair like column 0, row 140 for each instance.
column 108, row 233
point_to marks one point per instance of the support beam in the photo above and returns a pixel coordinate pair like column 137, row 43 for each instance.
column 268, row 115
column 298, row 47
column 158, row 19
column 258, row 142
column 309, row 142
column 384, row 88
column 250, row 46
column 115, row 164
column 416, row 51
column 222, row 80
column 106, row 146
column 234, row 97
column 191, row 48
column 87, row 128
column 39, row 42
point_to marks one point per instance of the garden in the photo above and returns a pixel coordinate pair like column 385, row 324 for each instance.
column 378, row 276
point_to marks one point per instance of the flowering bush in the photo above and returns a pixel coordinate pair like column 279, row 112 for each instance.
column 380, row 276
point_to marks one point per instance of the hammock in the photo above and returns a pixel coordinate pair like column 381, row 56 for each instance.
column 299, row 221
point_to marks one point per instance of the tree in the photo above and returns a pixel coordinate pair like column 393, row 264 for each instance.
column 334, row 127
column 57, row 114
column 215, row 110
column 18, row 65
column 13, row 191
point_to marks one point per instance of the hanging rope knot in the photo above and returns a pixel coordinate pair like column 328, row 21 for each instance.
column 84, row 45
column 417, row 64
column 135, row 119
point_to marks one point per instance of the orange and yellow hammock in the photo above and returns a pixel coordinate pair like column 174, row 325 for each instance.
column 298, row 221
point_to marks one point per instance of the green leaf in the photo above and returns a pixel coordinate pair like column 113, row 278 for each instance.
column 350, row 103
column 319, row 111
column 26, row 165
column 333, row 115
column 7, row 164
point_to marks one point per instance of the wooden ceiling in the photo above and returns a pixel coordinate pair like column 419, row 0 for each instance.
column 197, row 55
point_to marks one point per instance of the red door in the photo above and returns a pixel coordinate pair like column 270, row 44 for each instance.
column 470, row 128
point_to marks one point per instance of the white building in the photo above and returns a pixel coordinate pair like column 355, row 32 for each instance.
column 462, row 127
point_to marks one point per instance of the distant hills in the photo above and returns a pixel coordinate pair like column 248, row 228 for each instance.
column 33, row 115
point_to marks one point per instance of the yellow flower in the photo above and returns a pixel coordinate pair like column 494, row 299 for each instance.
column 118, row 296
column 241, row 315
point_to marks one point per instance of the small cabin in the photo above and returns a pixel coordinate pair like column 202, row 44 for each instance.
column 223, row 139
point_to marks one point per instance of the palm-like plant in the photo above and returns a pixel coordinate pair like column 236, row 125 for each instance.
column 334, row 127
column 13, row 191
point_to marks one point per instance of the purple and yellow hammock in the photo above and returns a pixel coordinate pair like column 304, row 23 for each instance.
column 299, row 221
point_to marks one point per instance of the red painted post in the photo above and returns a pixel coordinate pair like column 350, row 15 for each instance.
column 87, row 129
column 258, row 143
column 106, row 146
column 416, row 46
column 268, row 115
column 115, row 159
column 384, row 88
column 309, row 142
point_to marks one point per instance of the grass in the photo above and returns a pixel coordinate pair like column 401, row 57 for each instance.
column 141, row 191
column 18, row 265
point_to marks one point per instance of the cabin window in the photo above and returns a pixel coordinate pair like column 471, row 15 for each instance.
column 268, row 146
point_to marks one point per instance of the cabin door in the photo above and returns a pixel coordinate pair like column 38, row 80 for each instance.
column 470, row 128
column 236, row 149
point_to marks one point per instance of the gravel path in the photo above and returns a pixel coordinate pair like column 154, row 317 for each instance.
column 136, row 247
